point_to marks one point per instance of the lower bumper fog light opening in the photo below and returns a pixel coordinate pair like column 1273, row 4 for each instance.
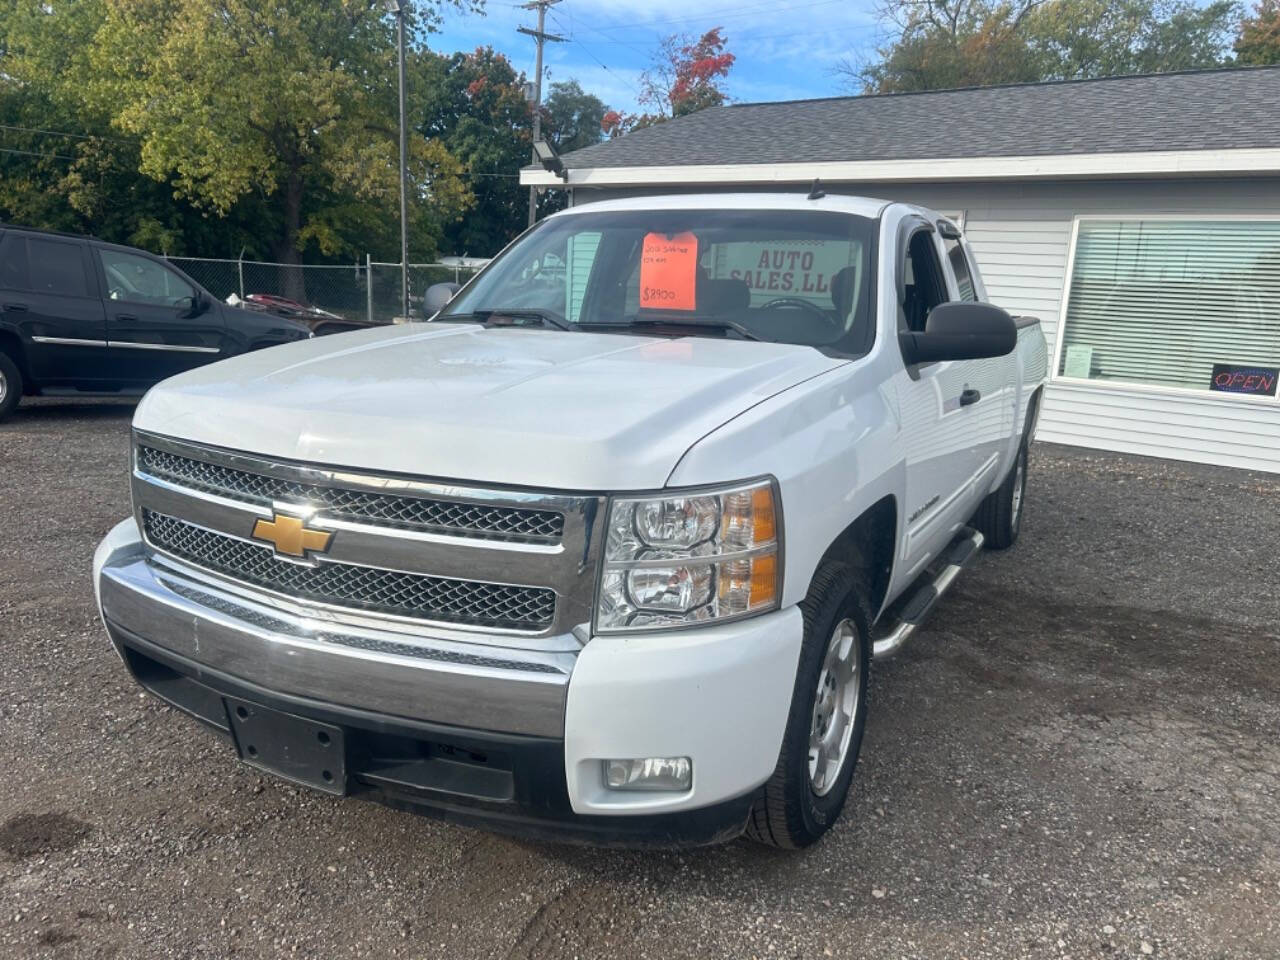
column 674, row 774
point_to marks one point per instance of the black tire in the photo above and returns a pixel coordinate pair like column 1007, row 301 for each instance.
column 10, row 385
column 1000, row 517
column 788, row 811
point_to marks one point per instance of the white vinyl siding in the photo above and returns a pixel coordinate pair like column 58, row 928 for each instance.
column 1023, row 264
column 581, row 254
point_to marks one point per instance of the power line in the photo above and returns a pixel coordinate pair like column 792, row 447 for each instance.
column 727, row 14
column 608, row 39
column 62, row 133
column 607, row 69
column 34, row 153
column 737, row 43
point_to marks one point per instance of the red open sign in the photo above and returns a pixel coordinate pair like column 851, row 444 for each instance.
column 1244, row 378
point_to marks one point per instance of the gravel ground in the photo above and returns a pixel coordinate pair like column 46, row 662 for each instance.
column 1079, row 758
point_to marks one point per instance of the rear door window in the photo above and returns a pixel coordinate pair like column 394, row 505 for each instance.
column 13, row 262
column 57, row 267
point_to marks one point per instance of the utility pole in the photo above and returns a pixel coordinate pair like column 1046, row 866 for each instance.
column 541, row 36
column 404, row 173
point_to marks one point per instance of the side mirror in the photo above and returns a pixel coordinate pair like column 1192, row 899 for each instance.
column 191, row 306
column 961, row 331
column 437, row 297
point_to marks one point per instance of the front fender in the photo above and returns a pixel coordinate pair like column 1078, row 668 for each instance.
column 832, row 444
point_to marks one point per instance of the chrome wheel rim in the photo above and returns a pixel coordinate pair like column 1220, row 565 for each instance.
column 1019, row 480
column 834, row 708
column 4, row 386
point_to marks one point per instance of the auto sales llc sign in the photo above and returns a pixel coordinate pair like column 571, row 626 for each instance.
column 800, row 268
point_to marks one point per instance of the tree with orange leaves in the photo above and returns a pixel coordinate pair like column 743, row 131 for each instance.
column 685, row 77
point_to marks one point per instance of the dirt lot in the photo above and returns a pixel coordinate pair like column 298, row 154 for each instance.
column 1080, row 758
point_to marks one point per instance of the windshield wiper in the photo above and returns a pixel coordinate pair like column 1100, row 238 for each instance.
column 496, row 318
column 708, row 323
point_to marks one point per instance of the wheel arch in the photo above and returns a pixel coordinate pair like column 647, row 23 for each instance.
column 11, row 344
column 1035, row 404
column 868, row 546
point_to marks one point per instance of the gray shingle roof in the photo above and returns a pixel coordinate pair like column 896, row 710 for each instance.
column 1175, row 111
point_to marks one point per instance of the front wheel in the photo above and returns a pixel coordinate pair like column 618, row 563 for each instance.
column 807, row 790
column 10, row 385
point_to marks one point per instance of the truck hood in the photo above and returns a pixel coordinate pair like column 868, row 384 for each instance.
column 524, row 407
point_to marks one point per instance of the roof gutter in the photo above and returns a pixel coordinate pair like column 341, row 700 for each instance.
column 1083, row 166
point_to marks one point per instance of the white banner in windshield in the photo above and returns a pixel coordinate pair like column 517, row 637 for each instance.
column 783, row 268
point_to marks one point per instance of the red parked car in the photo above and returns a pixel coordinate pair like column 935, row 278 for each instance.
column 320, row 321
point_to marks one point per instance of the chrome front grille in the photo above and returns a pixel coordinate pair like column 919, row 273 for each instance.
column 372, row 644
column 518, row 565
column 356, row 506
column 344, row 584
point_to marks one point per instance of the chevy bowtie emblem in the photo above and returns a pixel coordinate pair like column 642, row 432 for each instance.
column 291, row 536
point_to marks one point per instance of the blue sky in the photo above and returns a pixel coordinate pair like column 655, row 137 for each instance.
column 786, row 49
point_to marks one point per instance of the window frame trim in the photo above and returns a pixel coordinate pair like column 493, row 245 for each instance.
column 1133, row 386
column 950, row 269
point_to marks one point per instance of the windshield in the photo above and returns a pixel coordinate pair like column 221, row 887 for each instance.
column 788, row 276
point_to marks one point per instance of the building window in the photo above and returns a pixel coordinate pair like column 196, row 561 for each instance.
column 1175, row 303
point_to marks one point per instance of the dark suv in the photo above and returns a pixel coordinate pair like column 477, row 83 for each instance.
column 81, row 317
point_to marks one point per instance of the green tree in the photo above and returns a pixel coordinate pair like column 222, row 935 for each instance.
column 473, row 103
column 1075, row 39
column 290, row 104
column 1259, row 41
column 64, row 167
column 572, row 118
column 941, row 44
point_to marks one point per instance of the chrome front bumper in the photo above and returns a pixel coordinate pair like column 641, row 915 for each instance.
column 719, row 694
column 431, row 678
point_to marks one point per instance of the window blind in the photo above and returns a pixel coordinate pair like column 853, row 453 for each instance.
column 1162, row 301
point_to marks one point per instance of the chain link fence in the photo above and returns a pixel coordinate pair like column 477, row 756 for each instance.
column 368, row 291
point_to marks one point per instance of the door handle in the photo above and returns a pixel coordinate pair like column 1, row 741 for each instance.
column 15, row 308
column 126, row 317
column 969, row 396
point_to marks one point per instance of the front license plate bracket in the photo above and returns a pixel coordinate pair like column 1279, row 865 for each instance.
column 306, row 752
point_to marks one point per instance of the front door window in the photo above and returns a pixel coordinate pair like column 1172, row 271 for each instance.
column 141, row 280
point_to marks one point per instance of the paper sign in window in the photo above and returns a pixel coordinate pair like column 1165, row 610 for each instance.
column 1079, row 361
column 669, row 272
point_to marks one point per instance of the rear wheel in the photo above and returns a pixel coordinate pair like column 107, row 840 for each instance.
column 1000, row 517
column 803, row 798
column 10, row 385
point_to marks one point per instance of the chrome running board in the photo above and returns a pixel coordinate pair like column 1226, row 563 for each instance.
column 916, row 605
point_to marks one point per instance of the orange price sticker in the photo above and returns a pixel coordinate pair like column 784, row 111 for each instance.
column 669, row 272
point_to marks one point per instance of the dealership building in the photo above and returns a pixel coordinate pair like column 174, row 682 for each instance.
column 1137, row 217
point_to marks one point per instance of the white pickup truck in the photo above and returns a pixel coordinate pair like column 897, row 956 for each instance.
column 606, row 550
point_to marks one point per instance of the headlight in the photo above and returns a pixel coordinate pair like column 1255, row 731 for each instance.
column 691, row 558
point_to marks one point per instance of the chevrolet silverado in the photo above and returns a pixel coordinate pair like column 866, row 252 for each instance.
column 607, row 548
